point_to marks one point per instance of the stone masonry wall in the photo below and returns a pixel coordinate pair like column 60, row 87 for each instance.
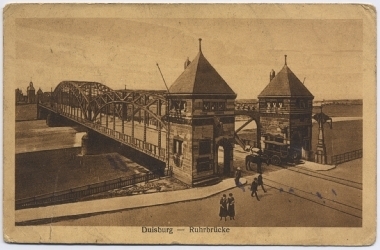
column 202, row 133
column 181, row 164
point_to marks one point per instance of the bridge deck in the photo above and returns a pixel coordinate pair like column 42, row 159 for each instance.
column 143, row 129
column 146, row 147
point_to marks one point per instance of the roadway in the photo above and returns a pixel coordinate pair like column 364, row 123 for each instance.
column 292, row 199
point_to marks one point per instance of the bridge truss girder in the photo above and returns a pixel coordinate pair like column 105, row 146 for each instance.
column 93, row 97
column 78, row 94
column 252, row 116
column 136, row 101
column 141, row 112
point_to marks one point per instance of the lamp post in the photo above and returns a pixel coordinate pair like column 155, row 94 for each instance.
column 321, row 154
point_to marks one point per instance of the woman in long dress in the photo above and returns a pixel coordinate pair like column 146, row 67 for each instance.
column 223, row 208
column 231, row 206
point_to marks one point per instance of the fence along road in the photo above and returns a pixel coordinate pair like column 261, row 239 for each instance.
column 348, row 156
column 75, row 194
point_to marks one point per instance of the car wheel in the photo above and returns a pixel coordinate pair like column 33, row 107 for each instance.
column 275, row 160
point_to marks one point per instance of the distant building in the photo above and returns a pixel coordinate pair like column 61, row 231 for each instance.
column 19, row 96
column 31, row 96
column 40, row 95
column 31, row 93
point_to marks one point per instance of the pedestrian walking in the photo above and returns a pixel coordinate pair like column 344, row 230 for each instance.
column 231, row 206
column 260, row 182
column 254, row 188
column 237, row 176
column 223, row 208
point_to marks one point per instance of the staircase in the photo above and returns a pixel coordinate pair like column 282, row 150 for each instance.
column 206, row 181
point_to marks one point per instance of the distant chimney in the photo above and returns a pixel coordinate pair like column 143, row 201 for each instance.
column 200, row 44
column 187, row 63
column 285, row 59
column 272, row 74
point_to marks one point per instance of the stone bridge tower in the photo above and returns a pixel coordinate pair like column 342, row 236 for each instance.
column 201, row 119
column 285, row 107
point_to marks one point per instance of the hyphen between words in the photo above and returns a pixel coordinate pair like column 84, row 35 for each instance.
column 169, row 230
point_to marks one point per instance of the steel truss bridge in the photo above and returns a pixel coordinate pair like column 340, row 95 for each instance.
column 136, row 118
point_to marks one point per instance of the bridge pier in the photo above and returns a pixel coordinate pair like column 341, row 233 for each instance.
column 52, row 119
column 55, row 120
column 41, row 113
column 86, row 145
column 93, row 144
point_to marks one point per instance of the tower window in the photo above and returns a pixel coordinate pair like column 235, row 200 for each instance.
column 206, row 106
column 178, row 105
column 302, row 104
column 204, row 147
column 221, row 106
column 177, row 146
column 214, row 106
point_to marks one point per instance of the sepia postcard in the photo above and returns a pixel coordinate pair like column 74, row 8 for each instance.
column 204, row 124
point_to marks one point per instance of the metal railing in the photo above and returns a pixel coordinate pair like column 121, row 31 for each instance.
column 75, row 194
column 146, row 147
column 349, row 156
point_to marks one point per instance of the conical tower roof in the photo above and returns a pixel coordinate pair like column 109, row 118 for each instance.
column 201, row 79
column 285, row 84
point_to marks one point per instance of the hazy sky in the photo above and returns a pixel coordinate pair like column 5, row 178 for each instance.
column 119, row 52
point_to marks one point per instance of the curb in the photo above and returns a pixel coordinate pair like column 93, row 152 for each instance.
column 47, row 220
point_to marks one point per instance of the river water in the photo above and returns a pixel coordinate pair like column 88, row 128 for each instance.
column 35, row 135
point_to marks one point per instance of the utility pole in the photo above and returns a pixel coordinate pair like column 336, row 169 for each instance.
column 168, row 121
column 321, row 154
